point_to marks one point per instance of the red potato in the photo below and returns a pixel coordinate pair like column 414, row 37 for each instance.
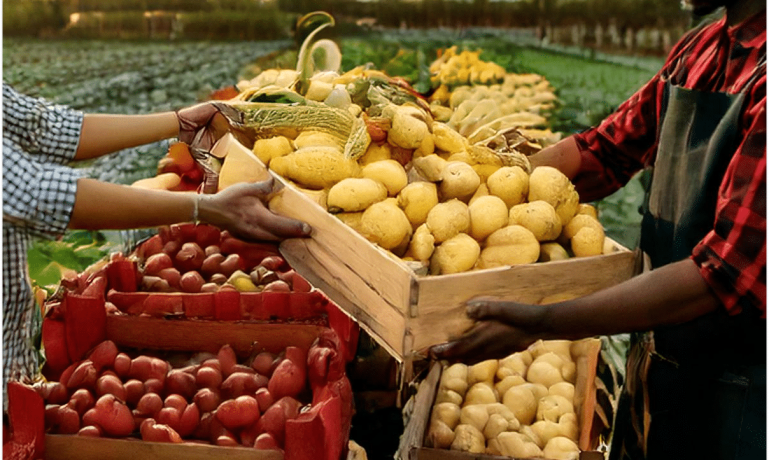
column 266, row 441
column 273, row 420
column 264, row 398
column 112, row 416
column 169, row 416
column 91, row 431
column 172, row 276
column 153, row 386
column 189, row 257
column 189, row 420
column 140, row 368
column 240, row 383
column 262, row 363
column 122, row 365
column 171, row 248
column 152, row 246
column 157, row 432
column 191, row 282
column 84, row 376
column 68, row 420
column 212, row 264
column 67, row 373
column 227, row 440
column 51, row 416
column 274, row 263
column 277, row 286
column 183, row 232
column 230, row 264
column 208, row 377
column 290, row 377
column 81, row 401
column 203, row 431
column 175, row 401
column 212, row 362
column 242, row 368
column 212, row 249
column 227, row 359
column 159, row 369
column 157, row 262
column 134, row 390
column 207, row 235
column 110, row 384
column 239, row 412
column 207, row 399
column 181, row 383
column 112, row 309
column 103, row 355
column 218, row 279
column 249, row 434
column 149, row 405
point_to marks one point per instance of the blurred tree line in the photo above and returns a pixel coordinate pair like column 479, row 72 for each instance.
column 274, row 18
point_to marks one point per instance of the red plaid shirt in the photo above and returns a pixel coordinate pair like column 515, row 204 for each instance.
column 716, row 58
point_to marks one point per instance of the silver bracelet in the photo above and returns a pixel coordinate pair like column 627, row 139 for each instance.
column 196, row 210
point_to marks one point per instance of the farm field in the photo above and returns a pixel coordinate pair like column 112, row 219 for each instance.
column 140, row 77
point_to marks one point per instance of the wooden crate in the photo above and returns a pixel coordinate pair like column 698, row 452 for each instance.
column 406, row 312
column 190, row 336
column 412, row 443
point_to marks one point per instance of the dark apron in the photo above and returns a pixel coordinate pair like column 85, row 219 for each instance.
column 695, row 390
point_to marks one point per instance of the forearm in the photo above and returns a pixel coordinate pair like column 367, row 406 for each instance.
column 669, row 295
column 563, row 156
column 102, row 134
column 102, row 205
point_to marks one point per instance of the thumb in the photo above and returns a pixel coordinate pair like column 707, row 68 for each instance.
column 482, row 308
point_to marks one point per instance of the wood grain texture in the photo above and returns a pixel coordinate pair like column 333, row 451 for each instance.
column 199, row 335
column 73, row 447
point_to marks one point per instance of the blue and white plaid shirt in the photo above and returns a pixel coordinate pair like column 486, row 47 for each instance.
column 39, row 139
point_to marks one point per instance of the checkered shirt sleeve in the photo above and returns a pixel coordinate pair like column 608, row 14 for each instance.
column 47, row 131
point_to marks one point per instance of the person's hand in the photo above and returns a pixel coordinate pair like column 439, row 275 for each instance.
column 241, row 210
column 501, row 328
column 203, row 120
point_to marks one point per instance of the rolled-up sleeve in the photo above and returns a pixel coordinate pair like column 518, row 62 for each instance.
column 40, row 128
column 732, row 256
column 36, row 195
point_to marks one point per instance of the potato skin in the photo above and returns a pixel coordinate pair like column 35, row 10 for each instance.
column 511, row 183
column 446, row 220
column 455, row 255
column 539, row 217
column 389, row 173
column 385, row 224
column 487, row 215
column 511, row 245
column 416, row 200
column 353, row 194
column 459, row 181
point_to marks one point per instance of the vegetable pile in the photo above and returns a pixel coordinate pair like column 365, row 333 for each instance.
column 212, row 398
column 521, row 406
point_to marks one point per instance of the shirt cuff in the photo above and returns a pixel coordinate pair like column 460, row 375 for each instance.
column 57, row 189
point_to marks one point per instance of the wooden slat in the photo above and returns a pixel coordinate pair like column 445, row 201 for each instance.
column 414, row 433
column 198, row 335
column 388, row 277
column 72, row 447
column 351, row 292
column 440, row 307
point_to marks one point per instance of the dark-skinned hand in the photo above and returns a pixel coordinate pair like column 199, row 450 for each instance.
column 241, row 209
column 501, row 328
column 204, row 121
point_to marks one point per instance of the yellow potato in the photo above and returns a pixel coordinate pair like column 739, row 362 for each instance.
column 315, row 167
column 589, row 209
column 459, row 181
column 422, row 243
column 267, row 149
column 588, row 241
column 578, row 222
column 511, row 245
column 487, row 215
column 462, row 156
column 385, row 224
column 455, row 255
column 446, row 220
column 447, row 139
column 484, row 171
column 315, row 139
column 552, row 251
column 353, row 194
column 539, row 217
column 416, row 200
column 407, row 130
column 389, row 173
column 351, row 219
column 482, row 190
column 375, row 152
column 511, row 183
column 549, row 184
column 430, row 167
